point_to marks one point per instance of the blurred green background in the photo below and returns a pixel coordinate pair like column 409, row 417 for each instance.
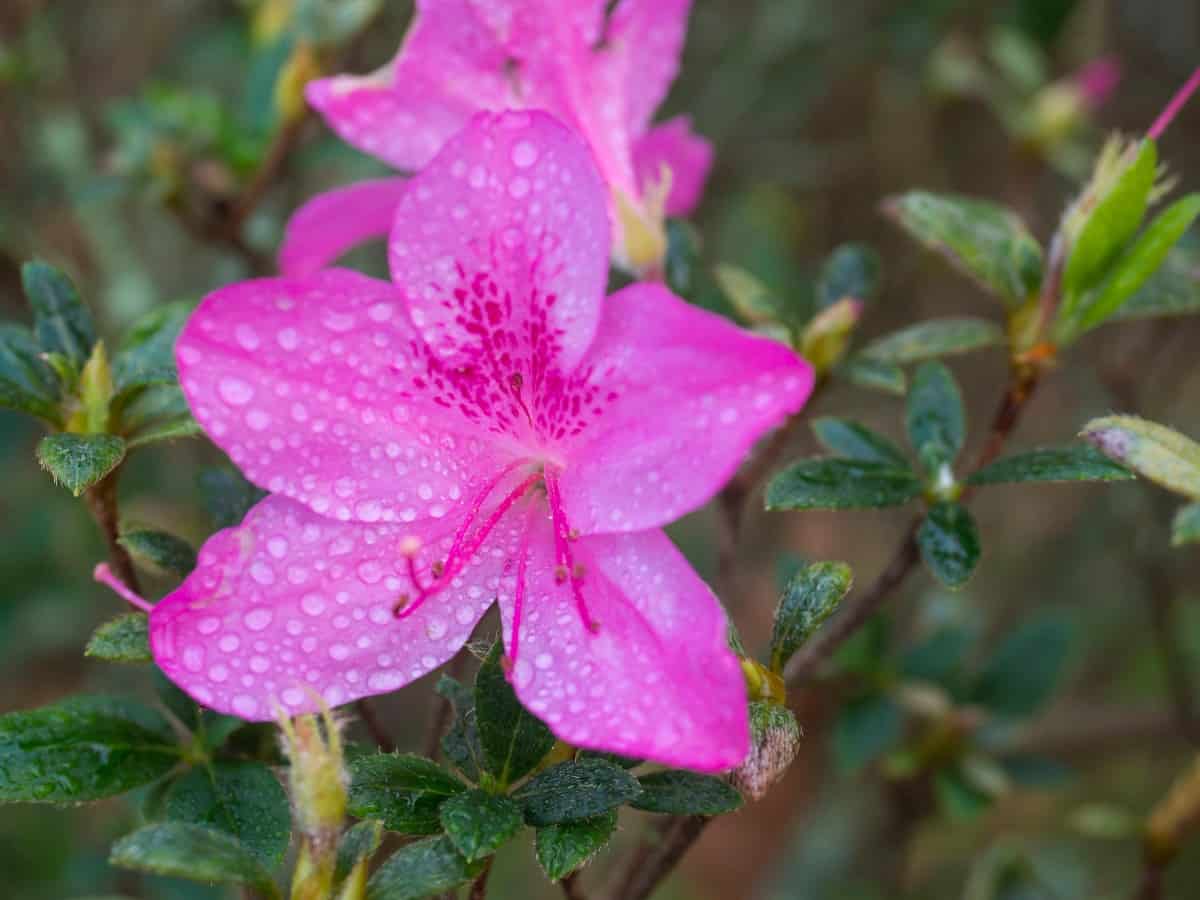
column 126, row 125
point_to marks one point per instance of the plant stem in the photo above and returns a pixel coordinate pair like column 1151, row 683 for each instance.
column 479, row 886
column 375, row 727
column 442, row 710
column 102, row 501
column 571, row 888
column 678, row 833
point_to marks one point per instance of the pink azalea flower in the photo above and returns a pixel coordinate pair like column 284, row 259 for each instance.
column 603, row 77
column 487, row 429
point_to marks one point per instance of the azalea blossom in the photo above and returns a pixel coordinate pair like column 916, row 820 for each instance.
column 489, row 429
column 602, row 75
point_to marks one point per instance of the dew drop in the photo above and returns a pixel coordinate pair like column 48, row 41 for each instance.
column 234, row 391
column 312, row 604
column 257, row 619
column 524, row 155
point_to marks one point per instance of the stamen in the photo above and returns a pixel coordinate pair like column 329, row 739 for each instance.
column 103, row 574
column 562, row 553
column 519, row 594
column 1172, row 109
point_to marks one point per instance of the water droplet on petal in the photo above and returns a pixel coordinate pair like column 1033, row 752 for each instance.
column 234, row 391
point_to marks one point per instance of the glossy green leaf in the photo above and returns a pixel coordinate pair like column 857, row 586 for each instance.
column 934, row 416
column 939, row 657
column 513, row 739
column 194, row 852
column 679, row 793
column 853, row 271
column 1173, row 290
column 403, row 791
column 1134, row 267
column 750, row 298
column 61, row 321
column 1025, row 669
column 841, row 484
column 1185, row 528
column 479, row 823
column 575, row 790
column 421, row 869
column 949, row 542
column 227, row 495
column 981, row 239
column 935, row 338
column 1108, row 227
column 82, row 749
column 27, row 383
column 359, row 842
column 870, row 373
column 563, row 848
column 851, row 440
column 461, row 741
column 1078, row 462
column 147, row 355
column 78, row 461
column 242, row 799
column 125, row 639
column 159, row 551
column 808, row 600
column 1153, row 451
column 866, row 729
column 170, row 429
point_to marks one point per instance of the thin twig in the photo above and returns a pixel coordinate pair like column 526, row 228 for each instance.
column 366, row 712
column 571, row 888
column 102, row 501
column 678, row 835
column 479, row 886
column 1150, row 886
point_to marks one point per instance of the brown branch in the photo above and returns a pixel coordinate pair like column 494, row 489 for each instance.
column 479, row 886
column 571, row 888
column 678, row 834
column 102, row 502
column 1093, row 730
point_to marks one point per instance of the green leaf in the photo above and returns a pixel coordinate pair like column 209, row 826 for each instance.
column 750, row 298
column 1135, row 266
column 61, row 323
column 934, row 416
column 575, row 790
column 78, row 461
column 159, row 551
column 227, row 495
column 147, row 356
column 935, row 338
column 1185, row 529
column 479, row 823
column 563, row 848
column 461, row 742
column 625, row 762
column 403, row 791
column 513, row 739
column 959, row 800
column 1173, row 290
column 82, row 749
column 359, row 842
column 939, row 657
column 1074, row 463
column 841, row 484
column 851, row 440
column 949, row 543
column 27, row 384
column 808, row 600
column 852, row 270
column 866, row 729
column 1024, row 671
column 985, row 241
column 125, row 639
column 184, row 850
column 421, row 869
column 242, row 799
column 682, row 264
column 164, row 430
column 1109, row 226
column 1154, row 451
column 679, row 793
column 871, row 373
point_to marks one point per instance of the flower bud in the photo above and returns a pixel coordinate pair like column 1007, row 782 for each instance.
column 825, row 339
column 774, row 740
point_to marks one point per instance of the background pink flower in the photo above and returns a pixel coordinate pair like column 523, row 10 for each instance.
column 604, row 76
column 489, row 429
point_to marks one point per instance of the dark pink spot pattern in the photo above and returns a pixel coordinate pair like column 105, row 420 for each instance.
column 486, row 430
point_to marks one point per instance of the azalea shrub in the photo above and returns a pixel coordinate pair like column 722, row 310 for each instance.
column 577, row 526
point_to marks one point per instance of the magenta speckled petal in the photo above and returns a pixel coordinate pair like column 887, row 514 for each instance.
column 655, row 680
column 331, row 223
column 508, row 224
column 316, row 388
column 674, row 145
column 291, row 606
column 694, row 394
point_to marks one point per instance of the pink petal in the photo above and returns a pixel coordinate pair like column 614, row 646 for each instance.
column 645, row 41
column 290, row 605
column 331, row 223
column 506, row 225
column 656, row 681
column 693, row 394
column 316, row 389
column 687, row 155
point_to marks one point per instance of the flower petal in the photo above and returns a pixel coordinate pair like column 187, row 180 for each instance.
column 316, row 388
column 331, row 223
column 656, row 681
column 687, row 155
column 692, row 395
column 645, row 40
column 290, row 605
column 505, row 233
